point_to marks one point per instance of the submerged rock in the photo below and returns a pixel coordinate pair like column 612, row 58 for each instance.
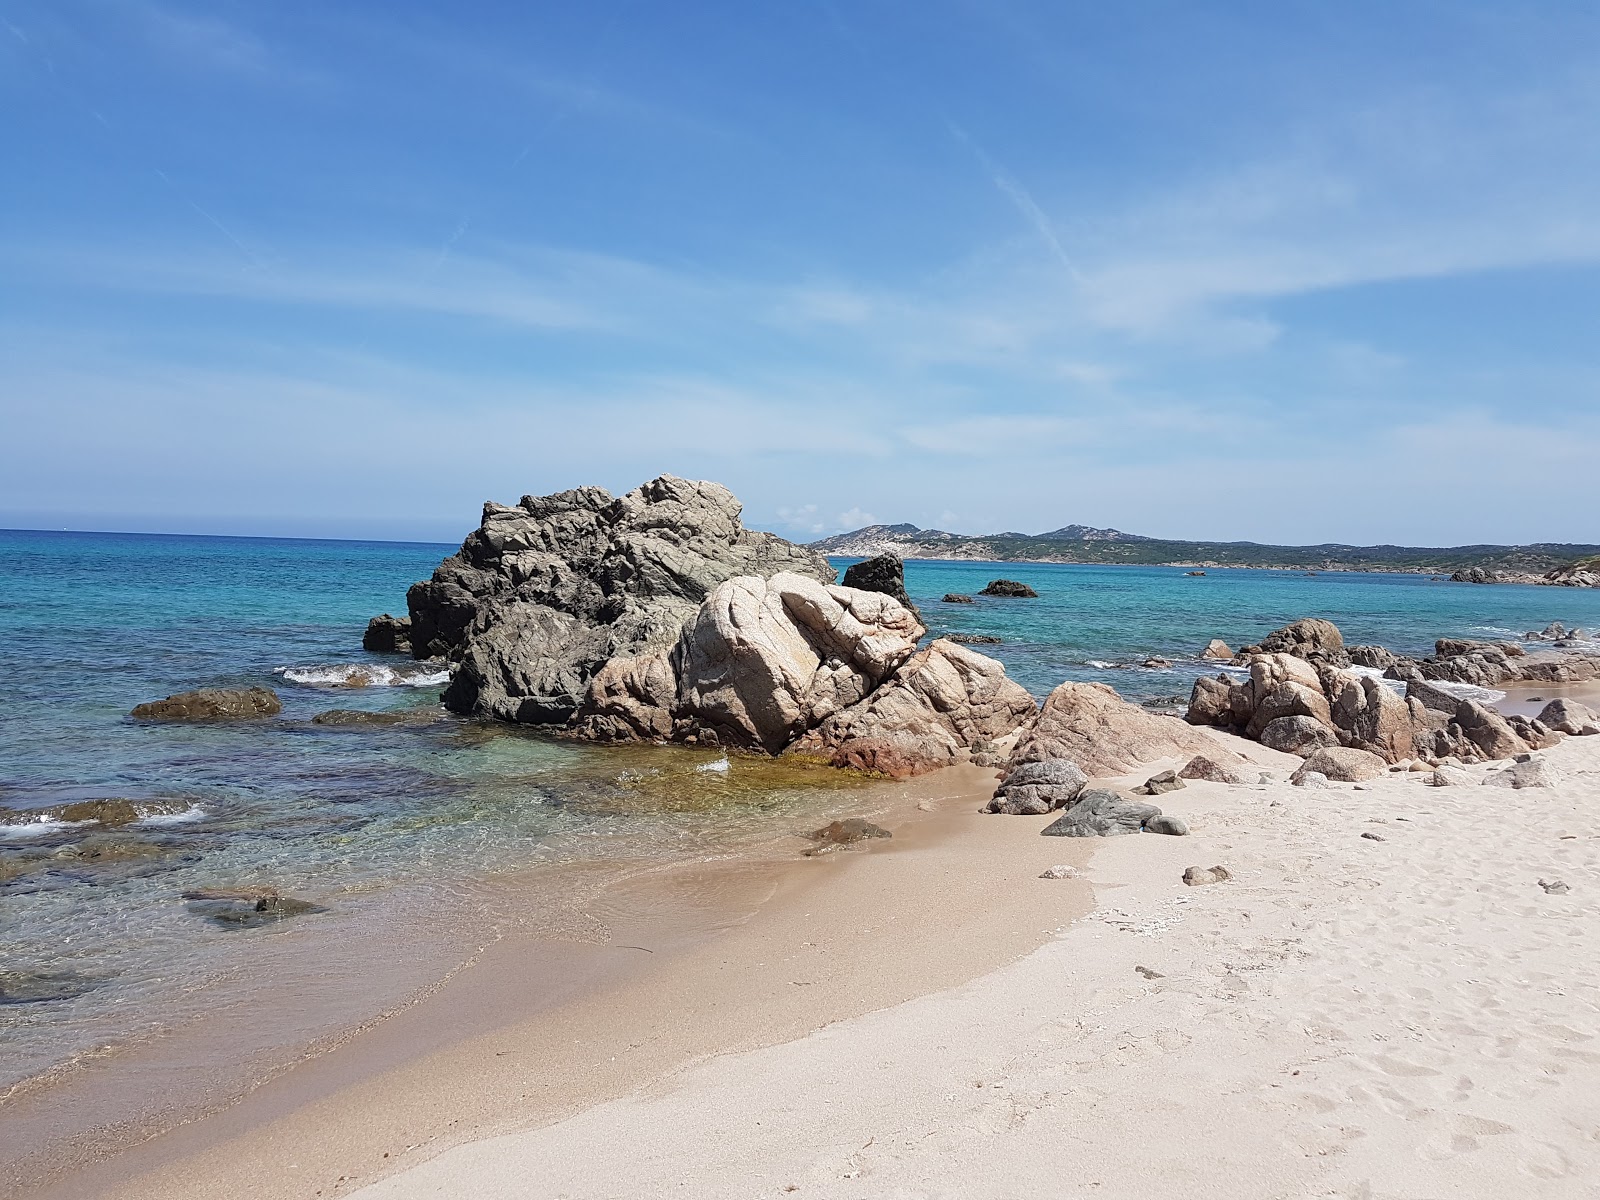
column 359, row 716
column 248, row 906
column 212, row 704
column 41, row 987
column 836, row 835
column 973, row 639
column 956, row 598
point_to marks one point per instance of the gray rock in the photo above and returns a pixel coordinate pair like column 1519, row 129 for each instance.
column 1101, row 812
column 886, row 574
column 1310, row 779
column 956, row 598
column 1554, row 887
column 1453, row 777
column 973, row 639
column 1343, row 763
column 1036, row 788
column 1431, row 697
column 1376, row 657
column 1168, row 824
column 1533, row 773
column 1297, row 735
column 1059, row 872
column 1310, row 638
column 1156, row 785
column 546, row 591
column 1201, row 876
column 1568, row 717
column 1475, row 575
column 212, row 704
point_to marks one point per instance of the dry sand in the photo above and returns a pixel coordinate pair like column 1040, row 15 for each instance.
column 1408, row 1015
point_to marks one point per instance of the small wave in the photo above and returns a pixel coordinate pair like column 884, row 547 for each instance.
column 720, row 765
column 1468, row 691
column 1514, row 633
column 193, row 813
column 362, row 675
column 18, row 826
column 1100, row 664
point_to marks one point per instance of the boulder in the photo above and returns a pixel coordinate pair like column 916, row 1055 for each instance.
column 388, row 635
column 212, row 704
column 941, row 702
column 1217, row 650
column 1036, row 788
column 1201, row 767
column 1487, row 730
column 956, row 598
column 1200, row 876
column 765, row 660
column 1376, row 657
column 1431, row 697
column 1371, row 716
column 546, row 591
column 885, row 574
column 1453, row 777
column 629, row 699
column 1168, row 824
column 1010, row 588
column 1569, row 717
column 1343, row 763
column 1306, row 779
column 1310, row 638
column 1105, row 735
column 1297, row 735
column 1101, row 812
column 1536, row 772
column 1160, row 784
column 1211, row 702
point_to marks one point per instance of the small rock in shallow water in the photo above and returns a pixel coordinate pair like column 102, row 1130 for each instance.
column 1200, row 876
column 973, row 639
column 847, row 832
column 1059, row 873
column 1009, row 587
column 212, row 704
column 250, row 906
column 956, row 598
column 357, row 716
column 1554, row 887
column 40, row 987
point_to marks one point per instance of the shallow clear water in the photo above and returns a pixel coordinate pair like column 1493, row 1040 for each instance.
column 388, row 827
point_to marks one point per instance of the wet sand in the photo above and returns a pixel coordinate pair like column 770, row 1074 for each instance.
column 662, row 968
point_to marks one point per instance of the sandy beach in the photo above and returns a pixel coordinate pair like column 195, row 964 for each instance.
column 1383, row 1002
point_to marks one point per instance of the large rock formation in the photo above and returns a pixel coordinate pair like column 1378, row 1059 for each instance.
column 1312, row 638
column 1094, row 727
column 546, row 592
column 886, row 573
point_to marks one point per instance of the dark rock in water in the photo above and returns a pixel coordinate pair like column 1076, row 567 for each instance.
column 1009, row 587
column 212, row 704
column 41, row 987
column 1194, row 573
column 886, row 573
column 1101, row 812
column 1156, row 785
column 956, row 598
column 356, row 716
column 115, row 811
column 838, row 834
column 1475, row 575
column 248, row 906
column 388, row 635
column 1311, row 638
column 545, row 592
column 1035, row 788
column 973, row 639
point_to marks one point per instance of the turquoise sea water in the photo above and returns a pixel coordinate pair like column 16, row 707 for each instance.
column 371, row 820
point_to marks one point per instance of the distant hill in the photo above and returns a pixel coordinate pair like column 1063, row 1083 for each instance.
column 1084, row 544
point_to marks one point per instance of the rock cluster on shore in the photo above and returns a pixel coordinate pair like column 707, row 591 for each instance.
column 1300, row 698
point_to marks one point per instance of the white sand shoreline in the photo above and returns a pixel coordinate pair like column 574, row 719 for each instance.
column 1350, row 1017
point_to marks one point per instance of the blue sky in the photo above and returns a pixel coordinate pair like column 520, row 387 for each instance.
column 1283, row 271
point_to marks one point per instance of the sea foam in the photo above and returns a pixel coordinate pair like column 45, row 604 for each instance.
column 361, row 675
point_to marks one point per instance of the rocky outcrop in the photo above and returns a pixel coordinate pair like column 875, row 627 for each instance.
column 1009, row 588
column 1091, row 725
column 547, row 591
column 1312, row 638
column 1376, row 657
column 1217, row 650
column 212, row 704
column 388, row 635
column 1475, row 575
column 886, row 574
column 941, row 702
column 1569, row 717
